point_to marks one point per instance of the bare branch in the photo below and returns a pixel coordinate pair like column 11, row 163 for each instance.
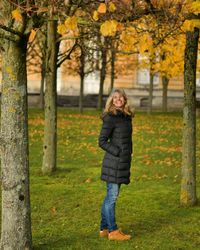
column 3, row 36
column 11, row 30
column 67, row 56
column 150, row 5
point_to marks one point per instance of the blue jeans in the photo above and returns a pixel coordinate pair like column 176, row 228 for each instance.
column 108, row 207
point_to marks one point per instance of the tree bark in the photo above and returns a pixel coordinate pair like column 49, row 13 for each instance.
column 16, row 212
column 188, row 183
column 41, row 99
column 112, row 71
column 150, row 93
column 102, row 76
column 81, row 94
column 50, row 123
column 82, row 76
column 165, row 82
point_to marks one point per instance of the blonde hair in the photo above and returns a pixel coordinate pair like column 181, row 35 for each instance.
column 110, row 107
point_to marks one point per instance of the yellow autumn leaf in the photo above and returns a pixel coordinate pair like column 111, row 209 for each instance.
column 195, row 7
column 17, row 15
column 128, row 41
column 80, row 13
column 189, row 25
column 95, row 15
column 120, row 27
column 143, row 48
column 32, row 36
column 61, row 29
column 112, row 7
column 196, row 23
column 102, row 8
column 145, row 44
column 109, row 28
column 71, row 23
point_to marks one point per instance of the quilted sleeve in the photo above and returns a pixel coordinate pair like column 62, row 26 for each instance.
column 105, row 134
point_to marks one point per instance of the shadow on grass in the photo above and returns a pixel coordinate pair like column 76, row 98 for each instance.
column 162, row 219
column 74, row 241
column 60, row 171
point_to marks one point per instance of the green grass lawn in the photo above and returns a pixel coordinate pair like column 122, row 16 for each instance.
column 66, row 205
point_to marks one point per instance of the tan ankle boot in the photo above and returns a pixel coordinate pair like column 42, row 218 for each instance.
column 104, row 233
column 118, row 235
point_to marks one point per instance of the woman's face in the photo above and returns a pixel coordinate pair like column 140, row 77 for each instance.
column 118, row 100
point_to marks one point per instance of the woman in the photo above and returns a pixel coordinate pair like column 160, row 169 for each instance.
column 116, row 139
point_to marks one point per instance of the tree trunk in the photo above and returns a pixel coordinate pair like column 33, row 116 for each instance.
column 112, row 71
column 150, row 94
column 16, row 212
column 50, row 124
column 81, row 94
column 102, row 77
column 41, row 100
column 82, row 75
column 188, row 183
column 165, row 82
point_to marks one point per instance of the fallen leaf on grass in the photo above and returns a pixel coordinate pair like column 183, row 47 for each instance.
column 53, row 210
column 89, row 180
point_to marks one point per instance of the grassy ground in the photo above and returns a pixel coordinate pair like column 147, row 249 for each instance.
column 66, row 205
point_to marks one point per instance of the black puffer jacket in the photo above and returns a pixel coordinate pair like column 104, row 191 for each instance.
column 116, row 139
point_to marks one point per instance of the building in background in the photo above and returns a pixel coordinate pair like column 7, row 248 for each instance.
column 134, row 80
